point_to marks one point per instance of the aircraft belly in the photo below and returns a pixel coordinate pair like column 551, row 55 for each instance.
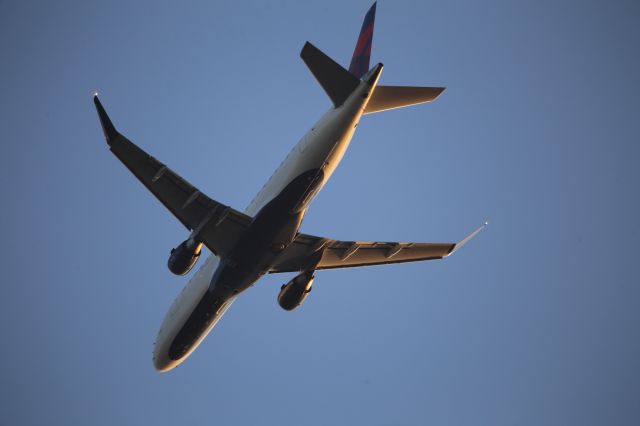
column 203, row 318
column 176, row 348
column 180, row 310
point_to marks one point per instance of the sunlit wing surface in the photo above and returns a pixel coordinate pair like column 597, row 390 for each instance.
column 218, row 225
column 306, row 249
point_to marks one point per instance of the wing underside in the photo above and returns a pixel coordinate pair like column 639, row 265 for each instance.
column 308, row 251
column 217, row 225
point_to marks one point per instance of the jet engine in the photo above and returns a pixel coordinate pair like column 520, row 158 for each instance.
column 184, row 257
column 295, row 291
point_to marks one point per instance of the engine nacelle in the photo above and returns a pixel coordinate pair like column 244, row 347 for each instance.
column 295, row 291
column 184, row 257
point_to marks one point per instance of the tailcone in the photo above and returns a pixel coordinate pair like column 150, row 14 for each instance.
column 371, row 78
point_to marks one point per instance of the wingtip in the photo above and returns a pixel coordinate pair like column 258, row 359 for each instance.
column 306, row 46
column 439, row 92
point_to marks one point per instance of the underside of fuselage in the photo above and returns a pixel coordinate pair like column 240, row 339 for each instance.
column 273, row 228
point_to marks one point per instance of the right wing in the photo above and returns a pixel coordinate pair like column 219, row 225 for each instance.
column 218, row 226
column 310, row 252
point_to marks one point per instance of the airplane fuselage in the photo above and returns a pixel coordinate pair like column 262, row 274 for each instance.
column 277, row 211
column 266, row 238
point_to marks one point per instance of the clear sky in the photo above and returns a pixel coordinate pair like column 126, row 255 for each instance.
column 535, row 322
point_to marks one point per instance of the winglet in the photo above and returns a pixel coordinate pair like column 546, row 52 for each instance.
column 108, row 128
column 466, row 239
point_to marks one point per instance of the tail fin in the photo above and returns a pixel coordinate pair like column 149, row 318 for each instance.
column 390, row 97
column 361, row 54
column 335, row 80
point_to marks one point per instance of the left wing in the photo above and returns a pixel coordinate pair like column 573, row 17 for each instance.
column 309, row 252
column 218, row 226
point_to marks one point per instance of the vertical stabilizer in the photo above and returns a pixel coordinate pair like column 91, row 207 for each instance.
column 361, row 54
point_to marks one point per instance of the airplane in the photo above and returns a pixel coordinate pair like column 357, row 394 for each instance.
column 265, row 238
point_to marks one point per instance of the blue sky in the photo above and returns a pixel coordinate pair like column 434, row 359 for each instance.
column 534, row 322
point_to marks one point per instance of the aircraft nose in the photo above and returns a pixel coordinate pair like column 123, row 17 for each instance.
column 163, row 364
column 161, row 361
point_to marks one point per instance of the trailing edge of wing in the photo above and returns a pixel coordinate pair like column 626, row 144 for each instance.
column 321, row 253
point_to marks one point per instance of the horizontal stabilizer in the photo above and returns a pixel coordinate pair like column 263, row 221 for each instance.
column 390, row 97
column 335, row 80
